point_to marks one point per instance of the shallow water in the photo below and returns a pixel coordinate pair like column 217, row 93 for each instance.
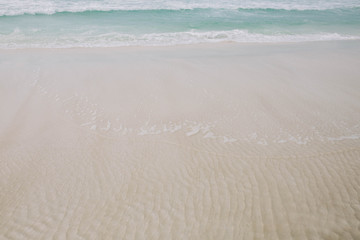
column 62, row 24
column 199, row 144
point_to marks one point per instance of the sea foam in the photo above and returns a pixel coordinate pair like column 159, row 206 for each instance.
column 167, row 39
column 110, row 23
column 17, row 7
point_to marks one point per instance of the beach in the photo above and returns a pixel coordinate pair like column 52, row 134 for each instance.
column 200, row 141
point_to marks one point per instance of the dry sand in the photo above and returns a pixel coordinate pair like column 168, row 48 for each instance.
column 219, row 141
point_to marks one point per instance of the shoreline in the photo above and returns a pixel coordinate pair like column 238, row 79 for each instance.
column 181, row 142
column 196, row 45
column 197, row 59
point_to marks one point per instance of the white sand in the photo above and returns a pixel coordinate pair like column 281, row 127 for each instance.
column 219, row 141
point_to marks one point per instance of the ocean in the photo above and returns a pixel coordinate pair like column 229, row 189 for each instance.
column 111, row 23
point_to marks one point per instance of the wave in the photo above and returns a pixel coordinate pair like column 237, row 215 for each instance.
column 15, row 8
column 210, row 11
column 166, row 39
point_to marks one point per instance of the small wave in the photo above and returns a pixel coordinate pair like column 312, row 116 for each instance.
column 166, row 39
column 164, row 10
column 15, row 8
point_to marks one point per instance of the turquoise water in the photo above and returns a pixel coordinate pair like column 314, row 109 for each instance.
column 112, row 23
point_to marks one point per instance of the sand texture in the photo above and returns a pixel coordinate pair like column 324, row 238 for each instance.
column 219, row 141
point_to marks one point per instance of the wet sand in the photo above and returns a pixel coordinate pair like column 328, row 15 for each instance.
column 218, row 141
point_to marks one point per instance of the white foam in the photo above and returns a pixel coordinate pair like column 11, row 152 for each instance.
column 19, row 7
column 229, row 139
column 116, row 39
column 350, row 137
column 108, row 125
column 209, row 135
column 262, row 142
column 175, row 128
column 86, row 124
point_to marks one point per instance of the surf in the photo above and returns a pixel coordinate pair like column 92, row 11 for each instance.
column 165, row 23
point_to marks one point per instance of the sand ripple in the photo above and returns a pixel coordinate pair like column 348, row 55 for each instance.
column 199, row 144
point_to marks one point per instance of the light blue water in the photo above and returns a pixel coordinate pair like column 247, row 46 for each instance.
column 94, row 23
